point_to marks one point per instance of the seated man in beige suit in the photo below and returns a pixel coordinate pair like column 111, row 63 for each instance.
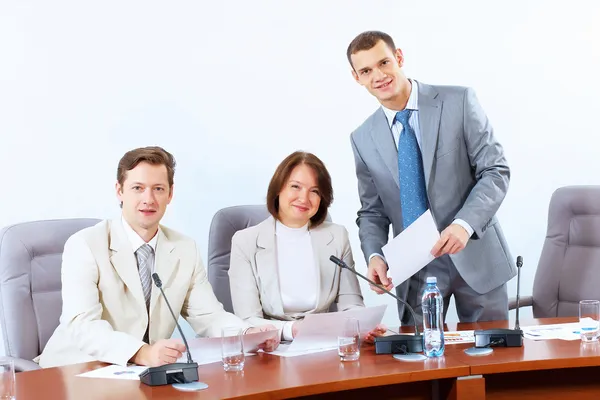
column 280, row 269
column 111, row 312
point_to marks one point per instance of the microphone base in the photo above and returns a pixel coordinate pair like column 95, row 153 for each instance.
column 399, row 344
column 498, row 338
column 170, row 373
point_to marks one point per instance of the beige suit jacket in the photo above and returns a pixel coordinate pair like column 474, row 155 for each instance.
column 104, row 314
column 254, row 279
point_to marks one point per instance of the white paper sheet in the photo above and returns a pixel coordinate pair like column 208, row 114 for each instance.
column 458, row 337
column 284, row 350
column 569, row 331
column 410, row 251
column 319, row 332
column 208, row 350
column 116, row 372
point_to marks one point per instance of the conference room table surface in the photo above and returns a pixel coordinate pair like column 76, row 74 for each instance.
column 542, row 369
column 550, row 369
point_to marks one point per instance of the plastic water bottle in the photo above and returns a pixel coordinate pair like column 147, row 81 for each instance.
column 433, row 319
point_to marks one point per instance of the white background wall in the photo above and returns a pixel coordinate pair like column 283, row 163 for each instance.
column 231, row 88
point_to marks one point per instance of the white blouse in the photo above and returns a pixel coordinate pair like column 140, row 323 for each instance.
column 298, row 279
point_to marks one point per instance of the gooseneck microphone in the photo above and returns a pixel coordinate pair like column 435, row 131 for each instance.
column 519, row 265
column 503, row 337
column 393, row 344
column 158, row 284
column 176, row 372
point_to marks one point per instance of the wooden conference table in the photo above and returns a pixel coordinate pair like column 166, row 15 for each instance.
column 544, row 369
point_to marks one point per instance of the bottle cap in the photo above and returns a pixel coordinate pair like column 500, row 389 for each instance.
column 431, row 279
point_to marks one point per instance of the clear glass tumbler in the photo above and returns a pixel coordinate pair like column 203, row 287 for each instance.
column 232, row 349
column 349, row 340
column 589, row 319
column 8, row 388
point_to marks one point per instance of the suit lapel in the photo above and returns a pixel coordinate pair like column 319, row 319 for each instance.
column 321, row 243
column 384, row 143
column 165, row 264
column 124, row 262
column 430, row 110
column 266, row 265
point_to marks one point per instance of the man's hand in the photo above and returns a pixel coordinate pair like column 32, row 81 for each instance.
column 452, row 240
column 378, row 331
column 164, row 351
column 377, row 272
column 269, row 344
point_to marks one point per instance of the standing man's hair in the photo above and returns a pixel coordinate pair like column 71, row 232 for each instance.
column 366, row 41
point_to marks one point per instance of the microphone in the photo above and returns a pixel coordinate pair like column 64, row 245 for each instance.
column 503, row 337
column 393, row 344
column 519, row 265
column 176, row 372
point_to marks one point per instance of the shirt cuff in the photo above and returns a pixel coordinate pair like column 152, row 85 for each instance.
column 465, row 225
column 286, row 332
column 377, row 254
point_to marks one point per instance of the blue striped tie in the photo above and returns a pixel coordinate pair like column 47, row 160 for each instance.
column 413, row 193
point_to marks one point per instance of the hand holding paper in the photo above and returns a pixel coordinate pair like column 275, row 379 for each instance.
column 452, row 240
column 380, row 330
column 272, row 342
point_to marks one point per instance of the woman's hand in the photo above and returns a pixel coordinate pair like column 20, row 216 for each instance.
column 378, row 331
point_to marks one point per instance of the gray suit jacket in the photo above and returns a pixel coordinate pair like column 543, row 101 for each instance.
column 254, row 279
column 466, row 176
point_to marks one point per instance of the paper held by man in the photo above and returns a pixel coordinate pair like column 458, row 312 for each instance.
column 410, row 251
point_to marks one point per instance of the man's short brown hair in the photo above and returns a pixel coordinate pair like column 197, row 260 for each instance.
column 152, row 155
column 282, row 174
column 366, row 41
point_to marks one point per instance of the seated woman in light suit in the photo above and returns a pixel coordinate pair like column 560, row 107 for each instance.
column 280, row 269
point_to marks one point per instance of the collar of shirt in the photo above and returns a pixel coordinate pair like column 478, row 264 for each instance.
column 413, row 103
column 135, row 239
column 285, row 232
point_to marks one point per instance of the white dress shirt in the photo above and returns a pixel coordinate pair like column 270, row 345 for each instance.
column 298, row 279
column 137, row 242
column 397, row 129
column 135, row 239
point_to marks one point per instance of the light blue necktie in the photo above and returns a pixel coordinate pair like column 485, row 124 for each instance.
column 413, row 193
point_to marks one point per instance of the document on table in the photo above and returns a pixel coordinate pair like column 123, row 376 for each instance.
column 410, row 251
column 131, row 372
column 284, row 350
column 208, row 350
column 319, row 332
column 569, row 331
column 459, row 337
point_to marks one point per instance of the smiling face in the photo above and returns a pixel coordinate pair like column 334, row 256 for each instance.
column 145, row 194
column 379, row 70
column 299, row 199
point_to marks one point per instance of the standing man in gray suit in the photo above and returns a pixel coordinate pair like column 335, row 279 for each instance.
column 430, row 147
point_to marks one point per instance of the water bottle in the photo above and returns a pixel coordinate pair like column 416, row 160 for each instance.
column 433, row 319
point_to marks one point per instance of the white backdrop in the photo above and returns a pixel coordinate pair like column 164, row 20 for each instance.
column 231, row 88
